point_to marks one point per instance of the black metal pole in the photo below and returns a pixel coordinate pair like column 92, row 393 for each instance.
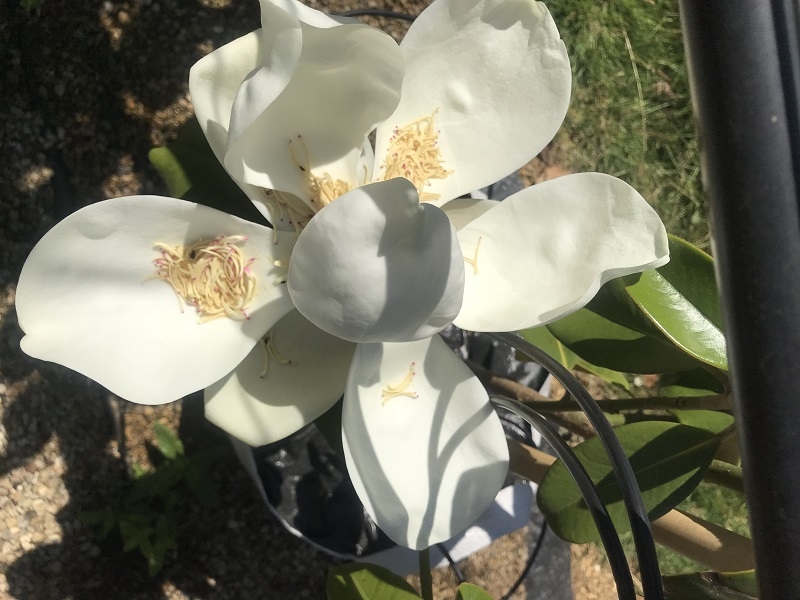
column 743, row 71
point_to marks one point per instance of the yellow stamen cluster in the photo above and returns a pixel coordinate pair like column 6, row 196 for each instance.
column 211, row 275
column 326, row 189
column 401, row 389
column 414, row 154
column 289, row 207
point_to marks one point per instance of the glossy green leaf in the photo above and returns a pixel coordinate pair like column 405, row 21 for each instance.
column 681, row 299
column 467, row 591
column 358, row 581
column 192, row 172
column 712, row 586
column 543, row 339
column 610, row 345
column 169, row 444
column 669, row 460
column 710, row 420
column 697, row 382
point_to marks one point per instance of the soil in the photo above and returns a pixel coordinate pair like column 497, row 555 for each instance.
column 87, row 88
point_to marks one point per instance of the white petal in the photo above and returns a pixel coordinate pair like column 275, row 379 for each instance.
column 545, row 251
column 425, row 467
column 280, row 47
column 376, row 265
column 283, row 386
column 340, row 68
column 307, row 14
column 84, row 299
column 462, row 211
column 497, row 73
column 214, row 81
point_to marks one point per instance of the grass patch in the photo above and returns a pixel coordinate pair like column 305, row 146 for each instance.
column 630, row 114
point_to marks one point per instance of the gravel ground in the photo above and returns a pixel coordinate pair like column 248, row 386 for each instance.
column 87, row 88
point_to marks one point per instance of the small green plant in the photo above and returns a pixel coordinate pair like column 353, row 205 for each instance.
column 31, row 5
column 149, row 512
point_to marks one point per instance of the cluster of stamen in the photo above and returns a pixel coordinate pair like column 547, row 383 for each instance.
column 401, row 389
column 289, row 208
column 270, row 352
column 414, row 153
column 211, row 275
column 323, row 189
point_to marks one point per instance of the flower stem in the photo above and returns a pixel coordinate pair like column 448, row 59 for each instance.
column 425, row 579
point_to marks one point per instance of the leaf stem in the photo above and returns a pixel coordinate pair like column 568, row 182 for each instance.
column 725, row 475
column 425, row 579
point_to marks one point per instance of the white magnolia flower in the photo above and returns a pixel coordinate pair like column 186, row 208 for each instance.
column 475, row 90
column 483, row 87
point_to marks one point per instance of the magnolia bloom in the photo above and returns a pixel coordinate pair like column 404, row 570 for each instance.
column 371, row 254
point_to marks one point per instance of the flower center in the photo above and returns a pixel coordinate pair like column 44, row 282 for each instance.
column 323, row 189
column 414, row 153
column 401, row 389
column 211, row 275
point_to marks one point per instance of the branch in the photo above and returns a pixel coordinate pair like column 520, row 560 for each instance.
column 726, row 475
column 702, row 541
column 541, row 403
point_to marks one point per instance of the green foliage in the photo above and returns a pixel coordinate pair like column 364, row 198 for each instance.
column 662, row 321
column 681, row 299
column 190, row 171
column 541, row 337
column 31, row 5
column 149, row 513
column 467, row 591
column 669, row 460
column 611, row 345
column 358, row 581
column 630, row 114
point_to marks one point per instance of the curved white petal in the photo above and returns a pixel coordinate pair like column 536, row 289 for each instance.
column 280, row 47
column 545, row 251
column 308, row 15
column 462, row 211
column 498, row 74
column 283, row 384
column 375, row 265
column 214, row 81
column 427, row 464
column 85, row 300
column 347, row 81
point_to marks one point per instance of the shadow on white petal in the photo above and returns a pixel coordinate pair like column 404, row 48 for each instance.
column 428, row 458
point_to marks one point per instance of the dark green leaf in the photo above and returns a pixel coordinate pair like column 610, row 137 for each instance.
column 607, row 344
column 134, row 535
column 669, row 460
column 192, row 172
column 169, row 444
column 467, row 591
column 681, row 299
column 357, row 581
column 710, row 420
column 697, row 382
column 542, row 338
column 711, row 586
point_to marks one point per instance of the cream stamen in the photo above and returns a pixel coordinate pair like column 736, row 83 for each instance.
column 414, row 154
column 211, row 275
column 401, row 389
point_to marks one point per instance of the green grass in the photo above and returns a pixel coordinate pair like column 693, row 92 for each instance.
column 712, row 503
column 630, row 114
